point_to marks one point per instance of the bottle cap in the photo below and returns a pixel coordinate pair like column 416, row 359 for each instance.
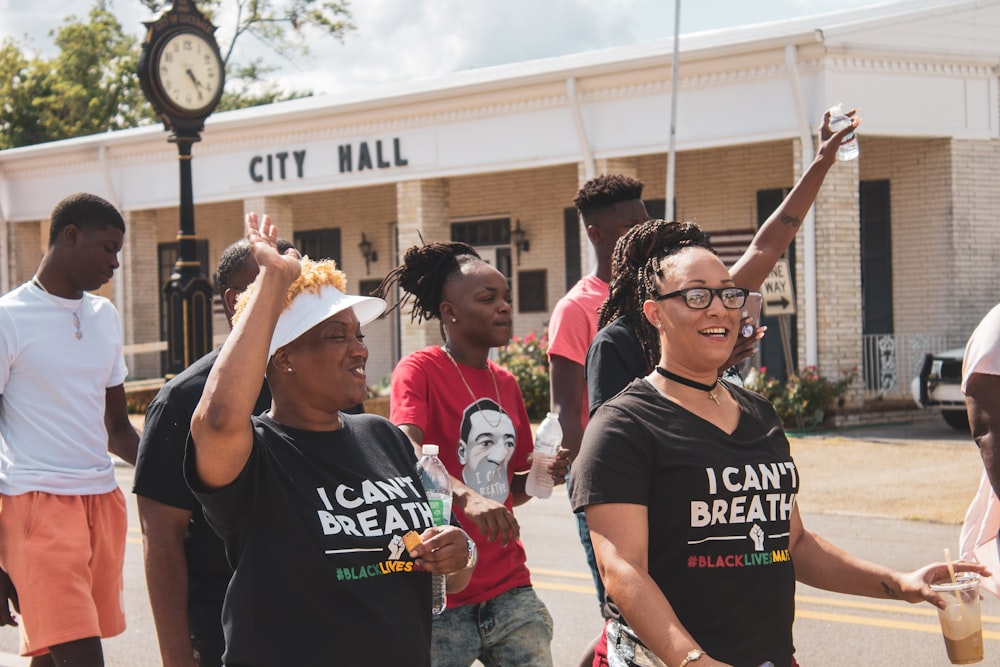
column 429, row 450
column 837, row 110
column 554, row 415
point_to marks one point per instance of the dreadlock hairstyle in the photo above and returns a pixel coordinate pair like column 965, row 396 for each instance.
column 423, row 274
column 635, row 267
column 605, row 191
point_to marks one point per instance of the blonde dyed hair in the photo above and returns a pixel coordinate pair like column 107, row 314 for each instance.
column 314, row 277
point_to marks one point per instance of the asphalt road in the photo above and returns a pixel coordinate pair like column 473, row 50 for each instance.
column 831, row 630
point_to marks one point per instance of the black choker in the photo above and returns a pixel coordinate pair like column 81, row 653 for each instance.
column 710, row 388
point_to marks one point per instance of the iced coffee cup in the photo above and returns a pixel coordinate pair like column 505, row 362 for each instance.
column 961, row 623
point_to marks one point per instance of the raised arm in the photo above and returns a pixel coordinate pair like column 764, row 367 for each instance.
column 221, row 428
column 779, row 230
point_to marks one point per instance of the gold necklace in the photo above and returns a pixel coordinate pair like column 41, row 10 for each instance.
column 473, row 394
column 76, row 315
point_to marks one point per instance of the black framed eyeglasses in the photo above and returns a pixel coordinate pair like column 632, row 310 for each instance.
column 700, row 298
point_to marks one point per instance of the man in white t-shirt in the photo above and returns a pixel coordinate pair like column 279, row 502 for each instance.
column 62, row 516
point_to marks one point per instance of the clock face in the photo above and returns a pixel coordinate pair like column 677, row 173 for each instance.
column 189, row 71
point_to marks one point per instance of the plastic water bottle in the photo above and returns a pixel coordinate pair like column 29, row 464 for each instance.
column 437, row 485
column 848, row 149
column 547, row 441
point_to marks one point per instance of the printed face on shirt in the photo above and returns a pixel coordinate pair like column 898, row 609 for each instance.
column 486, row 448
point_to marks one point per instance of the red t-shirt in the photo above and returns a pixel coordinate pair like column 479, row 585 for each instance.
column 573, row 325
column 478, row 445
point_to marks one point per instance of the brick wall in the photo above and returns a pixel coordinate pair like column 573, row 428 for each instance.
column 26, row 247
column 141, row 304
column 422, row 210
column 972, row 283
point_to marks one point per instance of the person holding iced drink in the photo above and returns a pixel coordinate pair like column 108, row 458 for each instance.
column 689, row 489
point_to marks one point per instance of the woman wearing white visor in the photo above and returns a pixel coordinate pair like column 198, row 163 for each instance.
column 313, row 503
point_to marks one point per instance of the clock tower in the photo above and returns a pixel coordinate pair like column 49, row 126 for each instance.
column 182, row 75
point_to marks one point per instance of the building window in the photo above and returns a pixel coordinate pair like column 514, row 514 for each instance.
column 490, row 238
column 491, row 232
column 319, row 244
column 531, row 292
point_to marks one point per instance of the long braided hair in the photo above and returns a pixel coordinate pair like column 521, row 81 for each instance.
column 423, row 274
column 635, row 266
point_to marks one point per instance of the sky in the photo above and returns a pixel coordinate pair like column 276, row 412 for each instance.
column 400, row 40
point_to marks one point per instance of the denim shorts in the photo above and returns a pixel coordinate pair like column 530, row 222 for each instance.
column 514, row 628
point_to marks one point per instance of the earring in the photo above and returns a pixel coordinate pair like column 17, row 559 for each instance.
column 659, row 325
column 289, row 369
column 454, row 319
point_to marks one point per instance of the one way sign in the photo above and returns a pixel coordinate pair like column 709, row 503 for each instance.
column 779, row 298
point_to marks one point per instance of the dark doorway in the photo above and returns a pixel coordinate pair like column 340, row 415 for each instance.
column 876, row 271
column 772, row 357
column 319, row 244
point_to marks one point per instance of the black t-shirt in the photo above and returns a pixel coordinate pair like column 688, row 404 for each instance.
column 313, row 526
column 159, row 475
column 719, row 514
column 614, row 359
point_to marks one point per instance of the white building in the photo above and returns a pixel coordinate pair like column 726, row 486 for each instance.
column 902, row 249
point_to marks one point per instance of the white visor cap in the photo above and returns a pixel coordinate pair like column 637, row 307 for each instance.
column 309, row 309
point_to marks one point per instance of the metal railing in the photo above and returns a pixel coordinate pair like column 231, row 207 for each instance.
column 891, row 361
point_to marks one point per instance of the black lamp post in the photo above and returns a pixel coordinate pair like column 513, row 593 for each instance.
column 182, row 75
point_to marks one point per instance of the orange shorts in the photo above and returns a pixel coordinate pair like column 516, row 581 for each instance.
column 65, row 555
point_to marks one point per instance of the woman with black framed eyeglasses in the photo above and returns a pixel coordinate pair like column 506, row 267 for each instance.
column 689, row 489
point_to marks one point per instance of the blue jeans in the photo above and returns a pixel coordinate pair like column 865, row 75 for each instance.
column 588, row 549
column 512, row 629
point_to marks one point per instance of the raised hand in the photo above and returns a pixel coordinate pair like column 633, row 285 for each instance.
column 262, row 235
column 829, row 141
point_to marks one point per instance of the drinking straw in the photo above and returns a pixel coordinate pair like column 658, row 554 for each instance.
column 951, row 568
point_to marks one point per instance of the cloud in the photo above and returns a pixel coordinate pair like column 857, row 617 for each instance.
column 408, row 39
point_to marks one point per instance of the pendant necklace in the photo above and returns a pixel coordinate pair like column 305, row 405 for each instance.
column 76, row 315
column 710, row 388
column 473, row 394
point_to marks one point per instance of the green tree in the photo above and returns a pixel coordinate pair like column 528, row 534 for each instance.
column 92, row 85
column 23, row 80
column 89, row 87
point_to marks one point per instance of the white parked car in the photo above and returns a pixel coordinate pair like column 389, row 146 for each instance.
column 939, row 385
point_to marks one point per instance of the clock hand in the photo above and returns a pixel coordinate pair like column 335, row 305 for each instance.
column 193, row 77
column 197, row 83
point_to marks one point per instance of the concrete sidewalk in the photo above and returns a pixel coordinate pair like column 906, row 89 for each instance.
column 919, row 470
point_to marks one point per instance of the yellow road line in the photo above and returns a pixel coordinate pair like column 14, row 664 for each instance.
column 888, row 606
column 561, row 573
column 569, row 588
column 878, row 622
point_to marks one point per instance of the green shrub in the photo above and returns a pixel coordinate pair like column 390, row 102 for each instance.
column 803, row 400
column 527, row 358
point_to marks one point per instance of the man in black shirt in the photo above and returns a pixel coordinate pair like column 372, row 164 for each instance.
column 186, row 567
